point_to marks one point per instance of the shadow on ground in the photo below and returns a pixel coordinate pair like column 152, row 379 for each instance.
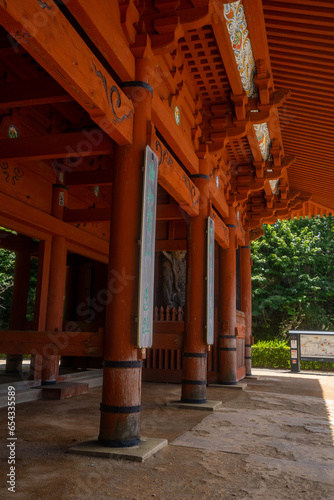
column 273, row 440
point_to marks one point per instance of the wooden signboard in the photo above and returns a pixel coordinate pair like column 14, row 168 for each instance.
column 147, row 252
column 210, row 282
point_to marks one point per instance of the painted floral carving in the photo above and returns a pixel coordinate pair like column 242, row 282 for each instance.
column 237, row 28
column 262, row 134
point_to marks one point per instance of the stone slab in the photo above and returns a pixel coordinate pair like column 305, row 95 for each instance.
column 64, row 390
column 236, row 387
column 146, row 448
column 208, row 406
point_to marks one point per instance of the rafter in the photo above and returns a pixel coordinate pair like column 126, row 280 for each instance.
column 77, row 144
column 70, row 62
column 43, row 90
column 89, row 178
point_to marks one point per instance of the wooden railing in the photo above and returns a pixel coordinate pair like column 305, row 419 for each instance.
column 164, row 361
column 52, row 343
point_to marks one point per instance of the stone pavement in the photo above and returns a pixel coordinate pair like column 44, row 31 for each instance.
column 271, row 441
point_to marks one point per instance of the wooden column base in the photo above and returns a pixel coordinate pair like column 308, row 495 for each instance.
column 248, row 359
column 120, row 410
column 194, row 379
column 228, row 359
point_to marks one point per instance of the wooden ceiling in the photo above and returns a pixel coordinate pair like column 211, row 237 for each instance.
column 300, row 36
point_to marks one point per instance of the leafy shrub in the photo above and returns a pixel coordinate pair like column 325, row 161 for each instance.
column 276, row 354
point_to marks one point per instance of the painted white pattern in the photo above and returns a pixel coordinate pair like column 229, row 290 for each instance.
column 237, row 28
column 262, row 134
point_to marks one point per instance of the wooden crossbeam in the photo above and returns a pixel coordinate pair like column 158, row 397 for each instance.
column 42, row 29
column 13, row 243
column 87, row 215
column 89, row 178
column 76, row 144
column 41, row 225
column 170, row 245
column 222, row 234
column 173, row 134
column 52, row 343
column 174, row 180
column 170, row 212
column 96, row 19
column 32, row 92
column 164, row 212
column 241, row 235
column 219, row 200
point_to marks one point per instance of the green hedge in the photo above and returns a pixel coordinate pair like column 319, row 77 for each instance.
column 276, row 354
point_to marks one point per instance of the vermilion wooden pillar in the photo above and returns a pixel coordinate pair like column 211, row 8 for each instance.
column 246, row 299
column 228, row 308
column 194, row 363
column 42, row 287
column 121, row 395
column 56, row 291
column 19, row 299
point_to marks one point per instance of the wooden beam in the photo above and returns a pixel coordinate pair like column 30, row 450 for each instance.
column 42, row 29
column 170, row 212
column 13, row 243
column 219, row 200
column 52, row 343
column 43, row 90
column 241, row 235
column 164, row 212
column 89, row 178
column 101, row 22
column 48, row 147
column 174, row 180
column 87, row 215
column 41, row 225
column 170, row 245
column 173, row 134
column 222, row 234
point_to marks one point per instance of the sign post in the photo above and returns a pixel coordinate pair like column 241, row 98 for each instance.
column 310, row 346
column 295, row 352
column 147, row 251
column 210, row 289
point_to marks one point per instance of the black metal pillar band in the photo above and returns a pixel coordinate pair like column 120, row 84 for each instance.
column 194, row 382
column 137, row 83
column 194, row 401
column 195, row 354
column 122, row 364
column 200, row 176
column 119, row 409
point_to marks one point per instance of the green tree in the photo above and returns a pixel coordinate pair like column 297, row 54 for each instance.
column 293, row 277
column 7, row 264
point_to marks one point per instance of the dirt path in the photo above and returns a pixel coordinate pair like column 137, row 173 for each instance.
column 272, row 441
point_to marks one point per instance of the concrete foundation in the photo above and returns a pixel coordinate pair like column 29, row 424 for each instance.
column 208, row 406
column 235, row 387
column 146, row 448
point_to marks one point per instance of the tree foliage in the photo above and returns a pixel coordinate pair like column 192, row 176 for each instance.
column 7, row 264
column 293, row 277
